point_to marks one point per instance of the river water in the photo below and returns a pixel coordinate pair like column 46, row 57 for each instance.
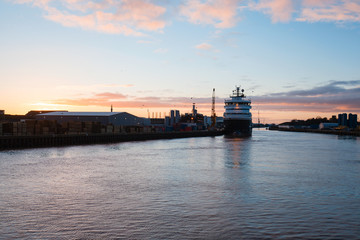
column 274, row 184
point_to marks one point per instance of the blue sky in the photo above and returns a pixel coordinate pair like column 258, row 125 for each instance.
column 145, row 55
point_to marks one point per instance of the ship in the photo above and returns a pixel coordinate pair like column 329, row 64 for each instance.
column 237, row 115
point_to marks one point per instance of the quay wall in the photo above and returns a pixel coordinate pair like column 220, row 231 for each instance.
column 335, row 132
column 18, row 142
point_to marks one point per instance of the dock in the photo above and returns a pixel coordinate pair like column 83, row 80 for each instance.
column 21, row 142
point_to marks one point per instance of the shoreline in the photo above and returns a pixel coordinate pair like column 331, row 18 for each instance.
column 334, row 132
column 23, row 142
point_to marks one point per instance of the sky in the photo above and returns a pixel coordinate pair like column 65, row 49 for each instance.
column 295, row 59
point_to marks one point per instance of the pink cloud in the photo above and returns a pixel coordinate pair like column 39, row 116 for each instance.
column 204, row 46
column 331, row 98
column 309, row 10
column 220, row 13
column 137, row 17
column 109, row 96
column 123, row 101
column 127, row 17
column 318, row 3
column 332, row 10
column 279, row 10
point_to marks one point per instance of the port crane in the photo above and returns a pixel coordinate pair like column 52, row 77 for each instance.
column 213, row 114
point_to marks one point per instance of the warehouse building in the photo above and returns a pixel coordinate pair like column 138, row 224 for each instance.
column 105, row 118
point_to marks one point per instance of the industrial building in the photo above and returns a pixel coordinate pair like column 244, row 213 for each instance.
column 105, row 118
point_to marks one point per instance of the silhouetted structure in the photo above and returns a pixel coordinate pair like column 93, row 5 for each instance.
column 115, row 118
column 352, row 122
column 342, row 119
column 2, row 115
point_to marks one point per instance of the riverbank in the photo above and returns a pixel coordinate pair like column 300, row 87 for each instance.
column 335, row 132
column 18, row 142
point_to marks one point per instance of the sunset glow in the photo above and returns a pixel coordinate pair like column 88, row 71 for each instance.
column 295, row 59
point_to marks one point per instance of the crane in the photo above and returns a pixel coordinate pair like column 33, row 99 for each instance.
column 213, row 114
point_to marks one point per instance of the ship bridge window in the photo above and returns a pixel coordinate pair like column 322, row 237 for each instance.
column 237, row 104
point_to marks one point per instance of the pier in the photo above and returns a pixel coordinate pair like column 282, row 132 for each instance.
column 19, row 142
column 335, row 132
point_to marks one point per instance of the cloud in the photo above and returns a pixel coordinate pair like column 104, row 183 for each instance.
column 330, row 98
column 127, row 17
column 93, row 87
column 330, row 11
column 335, row 96
column 140, row 17
column 124, row 101
column 122, row 85
column 161, row 51
column 111, row 96
column 279, row 10
column 309, row 10
column 220, row 13
column 204, row 46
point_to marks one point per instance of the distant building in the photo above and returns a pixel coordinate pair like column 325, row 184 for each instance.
column 342, row 119
column 177, row 116
column 105, row 118
column 333, row 119
column 328, row 125
column 2, row 114
column 173, row 119
column 352, row 122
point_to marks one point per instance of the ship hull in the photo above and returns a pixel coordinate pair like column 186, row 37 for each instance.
column 238, row 127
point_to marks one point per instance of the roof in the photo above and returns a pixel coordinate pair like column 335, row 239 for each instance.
column 81, row 114
column 33, row 113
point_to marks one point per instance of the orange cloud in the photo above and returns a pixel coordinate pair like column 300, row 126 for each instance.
column 220, row 13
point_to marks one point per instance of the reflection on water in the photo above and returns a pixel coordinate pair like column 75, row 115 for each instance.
column 238, row 150
column 271, row 185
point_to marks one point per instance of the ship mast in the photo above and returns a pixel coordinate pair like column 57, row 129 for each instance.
column 213, row 114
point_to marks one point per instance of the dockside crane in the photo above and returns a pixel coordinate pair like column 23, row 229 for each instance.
column 213, row 114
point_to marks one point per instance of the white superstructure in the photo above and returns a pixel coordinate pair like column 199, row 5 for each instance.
column 238, row 106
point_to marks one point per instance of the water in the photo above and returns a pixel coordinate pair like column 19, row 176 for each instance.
column 273, row 185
